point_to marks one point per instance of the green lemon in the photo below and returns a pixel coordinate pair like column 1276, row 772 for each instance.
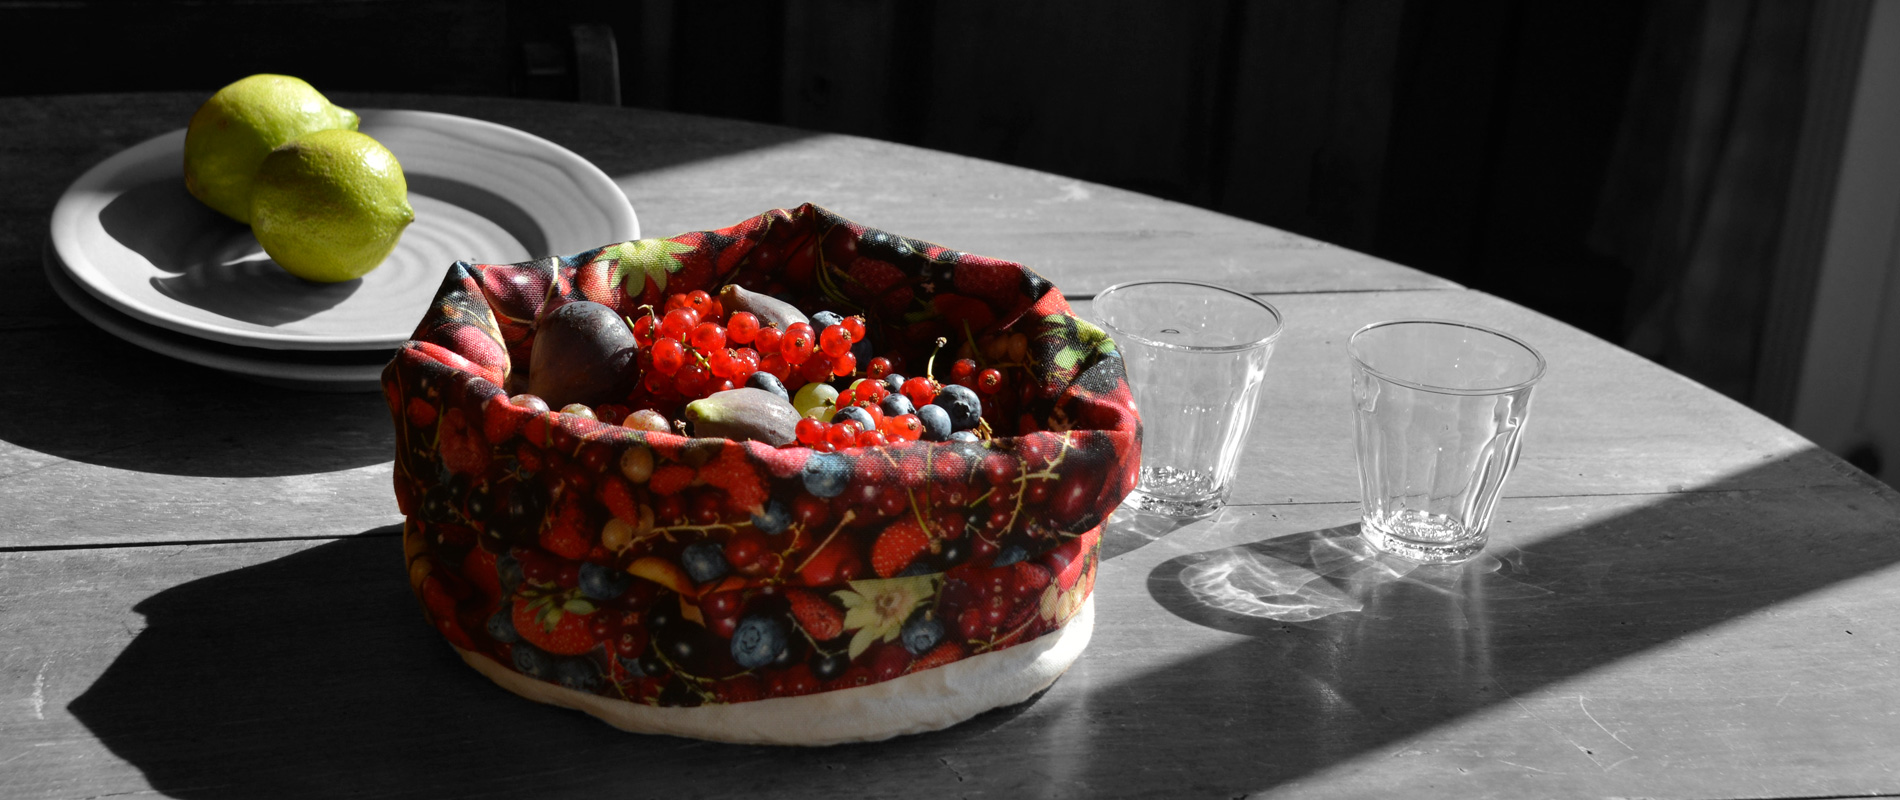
column 233, row 131
column 329, row 206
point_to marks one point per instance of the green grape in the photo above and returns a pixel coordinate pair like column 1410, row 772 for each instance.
column 814, row 397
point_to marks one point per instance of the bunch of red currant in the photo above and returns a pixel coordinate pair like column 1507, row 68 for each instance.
column 693, row 348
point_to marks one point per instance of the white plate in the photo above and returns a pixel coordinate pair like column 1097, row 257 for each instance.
column 130, row 236
column 309, row 370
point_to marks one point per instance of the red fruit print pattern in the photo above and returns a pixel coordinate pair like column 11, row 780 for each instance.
column 898, row 546
column 816, row 615
column 552, row 626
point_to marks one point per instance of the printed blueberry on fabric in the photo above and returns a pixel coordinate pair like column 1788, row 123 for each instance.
column 676, row 571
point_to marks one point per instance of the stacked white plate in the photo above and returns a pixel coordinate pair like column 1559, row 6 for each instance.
column 135, row 254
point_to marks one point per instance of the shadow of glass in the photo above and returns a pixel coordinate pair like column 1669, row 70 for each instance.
column 1132, row 529
column 1312, row 575
column 214, row 703
column 1347, row 651
column 87, row 396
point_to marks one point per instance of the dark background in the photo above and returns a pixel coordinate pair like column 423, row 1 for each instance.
column 1564, row 155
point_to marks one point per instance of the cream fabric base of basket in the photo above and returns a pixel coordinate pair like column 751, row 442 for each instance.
column 924, row 701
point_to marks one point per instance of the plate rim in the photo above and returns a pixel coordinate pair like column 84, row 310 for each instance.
column 70, row 214
column 206, row 353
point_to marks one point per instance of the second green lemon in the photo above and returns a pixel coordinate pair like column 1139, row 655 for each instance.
column 329, row 206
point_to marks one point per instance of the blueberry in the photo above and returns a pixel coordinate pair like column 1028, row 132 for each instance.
column 602, row 583
column 963, row 436
column 578, row 674
column 769, row 382
column 824, row 319
column 857, row 415
column 533, row 662
column 962, row 403
column 936, row 423
column 757, row 641
column 1009, row 555
column 896, row 405
column 894, row 382
column 861, row 350
column 774, row 518
column 501, row 627
column 826, row 474
column 922, row 632
column 704, row 561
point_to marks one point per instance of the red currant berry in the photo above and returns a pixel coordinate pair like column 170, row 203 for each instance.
column 989, row 381
column 797, row 343
column 691, row 379
column 721, row 362
column 878, row 368
column 643, row 332
column 776, row 365
column 678, row 323
column 835, row 341
column 766, row 340
column 909, row 428
column 721, row 385
column 668, row 355
column 809, row 431
column 708, row 336
column 920, row 390
column 701, row 302
column 854, row 326
column 871, row 439
column 816, row 369
column 963, row 370
column 743, row 327
column 842, row 435
column 845, row 365
column 718, row 310
column 674, row 301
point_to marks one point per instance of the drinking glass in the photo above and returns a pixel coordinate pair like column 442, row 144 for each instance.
column 1439, row 407
column 1196, row 355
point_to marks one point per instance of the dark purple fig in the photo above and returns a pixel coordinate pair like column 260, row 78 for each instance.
column 583, row 353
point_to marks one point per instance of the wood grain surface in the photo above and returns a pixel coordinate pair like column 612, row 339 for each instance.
column 201, row 591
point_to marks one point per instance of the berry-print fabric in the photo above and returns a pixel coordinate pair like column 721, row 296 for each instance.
column 674, row 571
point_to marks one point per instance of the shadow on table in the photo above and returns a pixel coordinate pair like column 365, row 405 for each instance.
column 313, row 675
column 84, row 395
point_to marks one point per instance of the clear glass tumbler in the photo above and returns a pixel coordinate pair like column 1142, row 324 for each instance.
column 1439, row 408
column 1196, row 356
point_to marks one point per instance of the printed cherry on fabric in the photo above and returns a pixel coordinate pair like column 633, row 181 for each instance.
column 647, row 573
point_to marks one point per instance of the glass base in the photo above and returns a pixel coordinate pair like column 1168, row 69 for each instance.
column 1193, row 506
column 1422, row 537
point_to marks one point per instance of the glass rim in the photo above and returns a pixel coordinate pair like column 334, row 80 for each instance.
column 1352, row 350
column 1279, row 321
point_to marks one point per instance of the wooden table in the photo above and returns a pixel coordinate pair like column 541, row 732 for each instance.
column 201, row 592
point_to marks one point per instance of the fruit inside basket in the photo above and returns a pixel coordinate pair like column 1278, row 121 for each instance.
column 633, row 474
